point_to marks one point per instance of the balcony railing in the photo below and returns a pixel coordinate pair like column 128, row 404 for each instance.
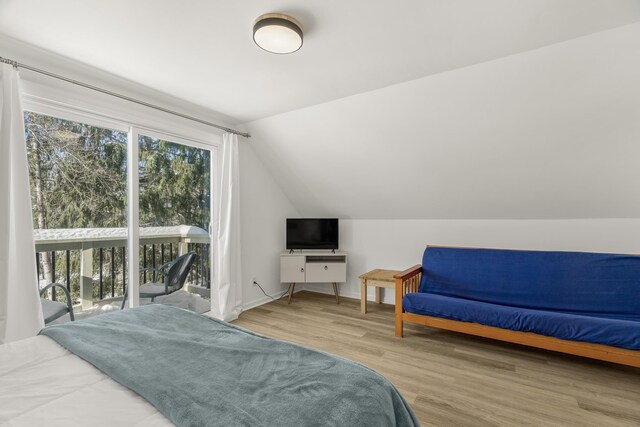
column 94, row 260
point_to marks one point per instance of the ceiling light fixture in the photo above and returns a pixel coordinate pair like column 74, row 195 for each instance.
column 277, row 33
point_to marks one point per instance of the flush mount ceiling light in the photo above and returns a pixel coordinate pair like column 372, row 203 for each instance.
column 277, row 33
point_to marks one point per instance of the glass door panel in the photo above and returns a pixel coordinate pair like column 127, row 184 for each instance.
column 175, row 217
column 79, row 198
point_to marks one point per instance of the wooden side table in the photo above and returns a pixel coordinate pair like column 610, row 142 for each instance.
column 379, row 279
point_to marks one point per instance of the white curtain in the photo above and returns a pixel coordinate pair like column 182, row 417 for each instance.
column 226, row 292
column 20, row 310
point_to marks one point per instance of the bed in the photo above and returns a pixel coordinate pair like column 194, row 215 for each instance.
column 158, row 365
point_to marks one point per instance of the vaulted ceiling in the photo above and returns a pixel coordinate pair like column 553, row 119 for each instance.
column 408, row 109
column 201, row 51
column 550, row 133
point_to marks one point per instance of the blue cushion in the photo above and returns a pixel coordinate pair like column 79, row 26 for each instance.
column 613, row 332
column 588, row 284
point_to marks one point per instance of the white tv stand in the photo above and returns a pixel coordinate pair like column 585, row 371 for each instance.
column 316, row 266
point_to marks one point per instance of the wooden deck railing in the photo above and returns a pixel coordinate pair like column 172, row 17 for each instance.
column 95, row 260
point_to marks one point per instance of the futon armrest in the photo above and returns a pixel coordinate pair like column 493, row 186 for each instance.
column 406, row 282
column 416, row 269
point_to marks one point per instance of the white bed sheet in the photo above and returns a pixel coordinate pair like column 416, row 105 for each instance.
column 43, row 384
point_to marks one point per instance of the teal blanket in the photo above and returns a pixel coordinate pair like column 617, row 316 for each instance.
column 199, row 371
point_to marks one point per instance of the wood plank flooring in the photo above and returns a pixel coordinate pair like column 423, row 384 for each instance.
column 452, row 379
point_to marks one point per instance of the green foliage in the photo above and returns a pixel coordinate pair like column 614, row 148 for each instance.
column 82, row 176
column 174, row 184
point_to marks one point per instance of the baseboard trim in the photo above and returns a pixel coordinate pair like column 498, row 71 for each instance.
column 306, row 287
column 265, row 299
column 371, row 297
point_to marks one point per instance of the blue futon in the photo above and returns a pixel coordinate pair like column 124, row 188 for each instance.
column 569, row 298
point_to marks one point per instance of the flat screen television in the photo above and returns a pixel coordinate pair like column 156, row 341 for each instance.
column 312, row 233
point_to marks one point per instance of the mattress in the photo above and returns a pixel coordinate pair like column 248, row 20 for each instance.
column 134, row 367
column 41, row 383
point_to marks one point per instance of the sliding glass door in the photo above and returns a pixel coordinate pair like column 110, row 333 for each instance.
column 84, row 200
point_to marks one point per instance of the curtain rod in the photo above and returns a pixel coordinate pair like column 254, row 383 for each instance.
column 17, row 65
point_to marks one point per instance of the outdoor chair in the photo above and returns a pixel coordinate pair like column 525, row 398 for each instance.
column 174, row 274
column 52, row 310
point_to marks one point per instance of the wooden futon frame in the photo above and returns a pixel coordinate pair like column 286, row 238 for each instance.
column 409, row 281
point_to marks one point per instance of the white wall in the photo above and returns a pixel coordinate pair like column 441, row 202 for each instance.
column 505, row 154
column 263, row 209
column 542, row 135
column 549, row 133
column 398, row 244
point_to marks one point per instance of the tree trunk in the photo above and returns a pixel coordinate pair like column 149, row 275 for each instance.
column 41, row 207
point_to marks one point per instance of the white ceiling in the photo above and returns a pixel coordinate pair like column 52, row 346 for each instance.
column 201, row 51
column 550, row 133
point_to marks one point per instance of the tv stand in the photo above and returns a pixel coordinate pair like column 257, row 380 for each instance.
column 313, row 267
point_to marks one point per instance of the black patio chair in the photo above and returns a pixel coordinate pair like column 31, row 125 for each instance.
column 52, row 310
column 174, row 275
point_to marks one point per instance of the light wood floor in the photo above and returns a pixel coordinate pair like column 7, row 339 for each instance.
column 452, row 379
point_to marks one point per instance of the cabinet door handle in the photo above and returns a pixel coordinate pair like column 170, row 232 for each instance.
column 302, row 270
column 326, row 267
